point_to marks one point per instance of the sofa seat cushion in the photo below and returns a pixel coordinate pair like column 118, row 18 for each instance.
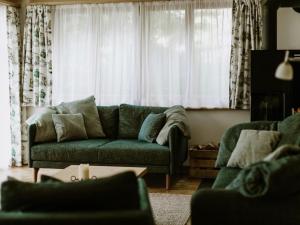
column 72, row 151
column 225, row 176
column 134, row 152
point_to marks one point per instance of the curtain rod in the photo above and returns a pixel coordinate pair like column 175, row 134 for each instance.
column 71, row 2
column 10, row 3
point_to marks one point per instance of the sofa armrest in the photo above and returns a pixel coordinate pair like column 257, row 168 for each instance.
column 31, row 137
column 231, row 136
column 178, row 145
column 220, row 206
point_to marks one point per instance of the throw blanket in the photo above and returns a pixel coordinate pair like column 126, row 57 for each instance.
column 275, row 178
column 175, row 116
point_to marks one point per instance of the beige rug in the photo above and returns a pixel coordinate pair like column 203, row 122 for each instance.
column 170, row 209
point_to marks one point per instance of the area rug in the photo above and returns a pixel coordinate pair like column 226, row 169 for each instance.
column 170, row 209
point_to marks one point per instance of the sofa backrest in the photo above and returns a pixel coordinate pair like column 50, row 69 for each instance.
column 131, row 118
column 109, row 117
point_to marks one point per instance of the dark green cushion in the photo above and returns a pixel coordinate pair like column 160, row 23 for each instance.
column 80, row 151
column 131, row 118
column 231, row 136
column 109, row 116
column 151, row 127
column 225, row 176
column 274, row 179
column 134, row 152
column 112, row 193
column 290, row 130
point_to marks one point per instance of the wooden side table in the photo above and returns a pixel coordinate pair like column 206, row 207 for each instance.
column 202, row 163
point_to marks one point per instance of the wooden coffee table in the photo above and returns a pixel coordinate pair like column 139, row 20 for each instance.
column 97, row 171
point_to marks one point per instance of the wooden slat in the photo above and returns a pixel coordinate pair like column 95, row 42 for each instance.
column 202, row 163
column 70, row 2
column 203, row 154
column 15, row 3
column 203, row 173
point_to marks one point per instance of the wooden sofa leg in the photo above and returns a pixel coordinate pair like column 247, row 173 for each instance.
column 168, row 181
column 35, row 174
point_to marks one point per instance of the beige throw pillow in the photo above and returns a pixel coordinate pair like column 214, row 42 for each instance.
column 69, row 127
column 253, row 146
column 45, row 130
column 88, row 109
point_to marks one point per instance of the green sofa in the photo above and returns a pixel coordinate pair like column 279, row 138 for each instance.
column 218, row 206
column 141, row 216
column 121, row 147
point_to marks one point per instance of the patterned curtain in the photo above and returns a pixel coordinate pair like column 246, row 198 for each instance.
column 37, row 56
column 14, row 65
column 246, row 36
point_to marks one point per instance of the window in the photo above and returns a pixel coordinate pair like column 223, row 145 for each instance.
column 156, row 53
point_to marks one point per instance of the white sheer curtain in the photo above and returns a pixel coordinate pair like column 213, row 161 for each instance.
column 5, row 137
column 155, row 53
column 95, row 51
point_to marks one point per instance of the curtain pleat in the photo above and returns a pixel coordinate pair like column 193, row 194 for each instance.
column 37, row 56
column 246, row 36
column 18, row 144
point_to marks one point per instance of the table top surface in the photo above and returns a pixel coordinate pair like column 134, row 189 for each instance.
column 98, row 171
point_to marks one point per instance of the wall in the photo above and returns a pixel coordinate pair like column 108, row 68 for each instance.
column 209, row 125
column 288, row 32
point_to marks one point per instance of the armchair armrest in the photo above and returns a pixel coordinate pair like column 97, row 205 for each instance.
column 31, row 137
column 220, row 206
column 231, row 136
column 178, row 145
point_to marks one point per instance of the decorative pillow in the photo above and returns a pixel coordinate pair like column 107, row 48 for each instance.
column 45, row 130
column 253, row 146
column 69, row 127
column 176, row 115
column 111, row 193
column 151, row 127
column 88, row 109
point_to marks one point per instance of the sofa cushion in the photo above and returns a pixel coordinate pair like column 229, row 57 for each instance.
column 131, row 118
column 134, row 152
column 88, row 109
column 290, row 130
column 79, row 151
column 69, row 127
column 109, row 117
column 112, row 193
column 151, row 127
column 225, row 176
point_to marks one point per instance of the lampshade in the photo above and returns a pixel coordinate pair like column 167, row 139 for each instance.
column 284, row 71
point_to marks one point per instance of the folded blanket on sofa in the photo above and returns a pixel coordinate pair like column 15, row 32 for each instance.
column 277, row 178
column 175, row 116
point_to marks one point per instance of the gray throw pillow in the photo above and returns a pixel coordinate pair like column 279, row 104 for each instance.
column 88, row 109
column 69, row 127
column 253, row 146
column 151, row 127
column 45, row 130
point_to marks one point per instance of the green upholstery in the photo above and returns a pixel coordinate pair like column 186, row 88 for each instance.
column 142, row 215
column 109, row 117
column 290, row 130
column 134, row 152
column 218, row 206
column 115, row 193
column 113, row 150
column 231, row 136
column 72, row 151
column 132, row 117
column 225, row 176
